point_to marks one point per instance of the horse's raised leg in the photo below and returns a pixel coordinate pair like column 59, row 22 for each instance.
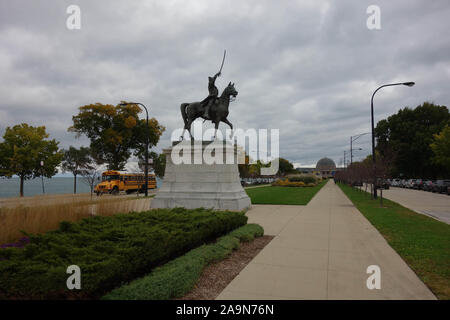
column 216, row 126
column 188, row 128
column 231, row 126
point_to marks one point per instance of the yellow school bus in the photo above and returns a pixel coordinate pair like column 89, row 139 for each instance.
column 114, row 181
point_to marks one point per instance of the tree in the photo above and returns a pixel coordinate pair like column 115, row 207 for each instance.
column 159, row 163
column 75, row 160
column 115, row 132
column 285, row 167
column 244, row 168
column 441, row 148
column 254, row 170
column 91, row 176
column 23, row 149
column 408, row 134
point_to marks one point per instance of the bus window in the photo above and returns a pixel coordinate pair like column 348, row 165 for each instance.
column 110, row 178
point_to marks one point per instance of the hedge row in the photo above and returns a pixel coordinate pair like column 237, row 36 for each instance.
column 304, row 179
column 178, row 277
column 288, row 183
column 108, row 250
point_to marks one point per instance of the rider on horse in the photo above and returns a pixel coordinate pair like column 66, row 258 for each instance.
column 212, row 97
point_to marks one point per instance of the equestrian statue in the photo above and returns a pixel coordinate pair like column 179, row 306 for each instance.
column 213, row 107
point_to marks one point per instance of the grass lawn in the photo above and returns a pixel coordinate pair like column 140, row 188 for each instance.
column 422, row 242
column 283, row 195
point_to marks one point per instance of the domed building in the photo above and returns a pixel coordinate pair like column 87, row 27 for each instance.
column 325, row 167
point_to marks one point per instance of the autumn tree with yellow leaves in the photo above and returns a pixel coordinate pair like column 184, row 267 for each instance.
column 115, row 132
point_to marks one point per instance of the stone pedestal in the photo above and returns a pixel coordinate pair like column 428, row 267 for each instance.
column 201, row 174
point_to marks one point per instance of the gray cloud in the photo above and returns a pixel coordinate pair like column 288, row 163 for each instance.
column 307, row 68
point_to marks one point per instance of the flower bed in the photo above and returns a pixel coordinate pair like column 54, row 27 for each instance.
column 289, row 183
column 108, row 250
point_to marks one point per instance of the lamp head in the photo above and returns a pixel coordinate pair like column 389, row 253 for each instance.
column 409, row 84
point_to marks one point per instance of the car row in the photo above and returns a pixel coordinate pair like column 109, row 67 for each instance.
column 439, row 186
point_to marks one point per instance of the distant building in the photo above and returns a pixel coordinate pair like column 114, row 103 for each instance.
column 325, row 167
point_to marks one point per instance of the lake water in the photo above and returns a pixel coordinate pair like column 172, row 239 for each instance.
column 56, row 185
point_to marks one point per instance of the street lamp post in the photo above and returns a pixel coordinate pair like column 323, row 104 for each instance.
column 42, row 176
column 409, row 84
column 146, row 144
column 354, row 138
column 351, row 154
column 345, row 162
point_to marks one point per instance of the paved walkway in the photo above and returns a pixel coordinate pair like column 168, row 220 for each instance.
column 322, row 251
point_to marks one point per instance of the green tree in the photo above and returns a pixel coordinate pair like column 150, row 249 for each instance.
column 285, row 167
column 254, row 170
column 408, row 135
column 441, row 148
column 159, row 163
column 22, row 150
column 75, row 161
column 115, row 132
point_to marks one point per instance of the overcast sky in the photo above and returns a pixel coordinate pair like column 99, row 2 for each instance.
column 307, row 68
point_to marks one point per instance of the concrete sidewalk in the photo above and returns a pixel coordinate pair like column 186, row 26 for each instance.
column 322, row 251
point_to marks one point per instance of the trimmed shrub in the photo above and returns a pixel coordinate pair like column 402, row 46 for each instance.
column 178, row 277
column 108, row 250
column 303, row 178
column 247, row 232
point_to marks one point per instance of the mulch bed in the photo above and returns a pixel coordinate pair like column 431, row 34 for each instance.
column 218, row 275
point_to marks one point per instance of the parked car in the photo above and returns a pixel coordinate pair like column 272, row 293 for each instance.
column 394, row 182
column 441, row 186
column 410, row 183
column 417, row 184
column 405, row 183
column 448, row 191
column 427, row 185
column 383, row 184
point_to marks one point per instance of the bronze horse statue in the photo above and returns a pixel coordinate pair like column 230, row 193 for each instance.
column 218, row 111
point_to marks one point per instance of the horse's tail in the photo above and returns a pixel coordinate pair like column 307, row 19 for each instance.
column 183, row 111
